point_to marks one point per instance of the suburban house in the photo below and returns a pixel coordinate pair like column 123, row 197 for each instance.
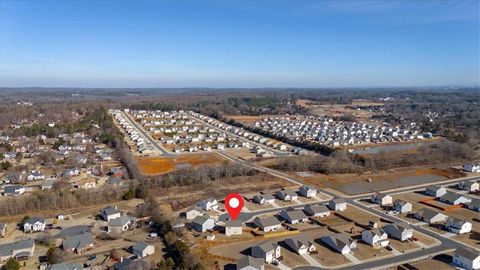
column 319, row 210
column 78, row 243
column 34, row 176
column 471, row 167
column 34, row 224
column 193, row 212
column 399, row 231
column 401, row 206
column 454, row 198
column 458, row 226
column 70, row 172
column 286, row 195
column 3, row 229
column 268, row 224
column 110, row 212
column 19, row 250
column 337, row 204
column 268, row 251
column 203, row 223
column 300, row 245
column 470, row 186
column 376, row 237
column 13, row 191
column 340, row 243
column 466, row 258
column 119, row 225
column 250, row 263
column 474, row 205
column 233, row 227
column 381, row 199
column 293, row 216
column 307, row 191
column 430, row 216
column 143, row 250
column 264, row 199
column 435, row 191
column 208, row 204
column 86, row 183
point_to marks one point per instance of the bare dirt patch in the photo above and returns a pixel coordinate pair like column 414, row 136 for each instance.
column 159, row 165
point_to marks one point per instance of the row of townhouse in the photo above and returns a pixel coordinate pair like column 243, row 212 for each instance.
column 335, row 133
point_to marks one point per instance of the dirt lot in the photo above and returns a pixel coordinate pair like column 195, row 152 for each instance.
column 334, row 110
column 353, row 184
column 186, row 196
column 367, row 252
column 159, row 165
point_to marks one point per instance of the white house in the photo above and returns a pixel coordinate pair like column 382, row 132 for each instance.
column 268, row 251
column 455, row 198
column 430, row 216
column 399, row 231
column 143, row 250
column 119, row 225
column 193, row 212
column 267, row 224
column 401, row 206
column 293, row 216
column 435, row 191
column 470, row 186
column 110, row 212
column 458, row 226
column 203, row 223
column 286, row 195
column 470, row 167
column 381, row 199
column 233, row 228
column 208, row 204
column 376, row 237
column 316, row 210
column 300, row 245
column 466, row 258
column 34, row 224
column 337, row 204
column 340, row 243
column 307, row 191
column 264, row 199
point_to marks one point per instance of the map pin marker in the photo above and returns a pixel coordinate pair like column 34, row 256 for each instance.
column 234, row 204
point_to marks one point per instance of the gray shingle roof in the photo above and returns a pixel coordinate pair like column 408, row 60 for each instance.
column 467, row 253
column 79, row 241
column 140, row 247
column 249, row 261
column 34, row 220
column 120, row 221
column 9, row 248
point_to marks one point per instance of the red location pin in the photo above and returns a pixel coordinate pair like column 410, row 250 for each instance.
column 234, row 204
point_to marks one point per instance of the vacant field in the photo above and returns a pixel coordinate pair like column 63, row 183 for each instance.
column 353, row 184
column 159, row 165
column 247, row 119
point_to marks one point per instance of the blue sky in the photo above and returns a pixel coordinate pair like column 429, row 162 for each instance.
column 238, row 43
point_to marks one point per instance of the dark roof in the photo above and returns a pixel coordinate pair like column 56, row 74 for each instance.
column 71, row 231
column 79, row 241
column 120, row 221
column 7, row 249
column 467, row 253
column 34, row 220
column 140, row 246
column 249, row 261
